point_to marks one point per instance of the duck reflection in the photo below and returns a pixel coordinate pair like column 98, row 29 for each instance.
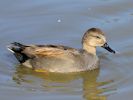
column 84, row 83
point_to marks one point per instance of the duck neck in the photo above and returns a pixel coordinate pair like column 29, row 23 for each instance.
column 89, row 49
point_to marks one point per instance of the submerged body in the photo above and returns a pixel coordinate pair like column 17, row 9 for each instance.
column 62, row 59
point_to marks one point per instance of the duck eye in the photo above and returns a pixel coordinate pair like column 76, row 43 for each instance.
column 97, row 37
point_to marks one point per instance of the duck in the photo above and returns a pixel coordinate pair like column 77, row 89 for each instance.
column 62, row 59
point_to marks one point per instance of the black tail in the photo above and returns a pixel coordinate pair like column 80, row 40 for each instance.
column 16, row 49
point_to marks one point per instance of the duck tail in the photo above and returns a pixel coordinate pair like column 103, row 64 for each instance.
column 17, row 48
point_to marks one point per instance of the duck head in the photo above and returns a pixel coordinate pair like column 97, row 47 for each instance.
column 94, row 37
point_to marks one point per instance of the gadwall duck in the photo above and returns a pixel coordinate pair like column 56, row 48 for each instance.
column 62, row 59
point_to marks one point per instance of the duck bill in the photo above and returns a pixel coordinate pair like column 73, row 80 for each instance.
column 106, row 46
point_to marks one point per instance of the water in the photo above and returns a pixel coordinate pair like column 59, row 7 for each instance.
column 64, row 22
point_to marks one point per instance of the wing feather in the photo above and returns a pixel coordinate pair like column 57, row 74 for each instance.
column 48, row 50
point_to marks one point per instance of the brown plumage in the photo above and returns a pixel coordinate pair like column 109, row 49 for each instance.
column 63, row 59
column 48, row 50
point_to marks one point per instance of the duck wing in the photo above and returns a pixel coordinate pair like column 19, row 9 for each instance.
column 49, row 50
column 25, row 52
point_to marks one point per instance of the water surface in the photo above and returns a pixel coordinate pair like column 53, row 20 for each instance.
column 64, row 22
